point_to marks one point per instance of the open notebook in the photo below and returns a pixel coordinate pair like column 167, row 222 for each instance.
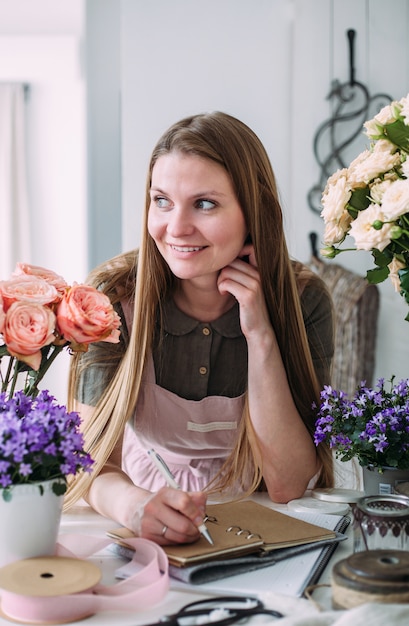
column 241, row 528
column 288, row 570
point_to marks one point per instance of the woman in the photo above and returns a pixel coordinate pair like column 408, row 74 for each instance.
column 225, row 343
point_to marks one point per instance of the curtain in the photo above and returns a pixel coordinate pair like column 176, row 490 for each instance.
column 14, row 211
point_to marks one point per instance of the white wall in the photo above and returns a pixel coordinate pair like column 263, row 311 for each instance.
column 195, row 57
column 41, row 45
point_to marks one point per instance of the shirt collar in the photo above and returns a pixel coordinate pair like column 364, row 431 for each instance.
column 177, row 323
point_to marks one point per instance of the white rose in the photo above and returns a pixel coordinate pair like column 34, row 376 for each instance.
column 357, row 161
column 373, row 130
column 394, row 266
column 366, row 236
column 405, row 168
column 395, row 201
column 378, row 188
column 335, row 230
column 333, row 179
column 375, row 127
column 335, row 196
column 371, row 163
column 405, row 109
column 385, row 115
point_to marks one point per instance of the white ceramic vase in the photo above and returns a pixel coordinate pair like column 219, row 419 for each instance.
column 29, row 522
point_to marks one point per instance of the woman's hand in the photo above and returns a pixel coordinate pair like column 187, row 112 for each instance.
column 242, row 279
column 287, row 453
column 171, row 516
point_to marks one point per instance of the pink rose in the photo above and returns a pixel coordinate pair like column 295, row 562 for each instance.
column 29, row 289
column 25, row 269
column 28, row 327
column 86, row 315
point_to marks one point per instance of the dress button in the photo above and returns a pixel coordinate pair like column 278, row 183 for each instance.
column 203, row 370
column 206, row 331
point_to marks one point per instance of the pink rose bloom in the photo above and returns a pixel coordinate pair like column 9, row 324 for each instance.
column 28, row 327
column 86, row 315
column 25, row 269
column 29, row 289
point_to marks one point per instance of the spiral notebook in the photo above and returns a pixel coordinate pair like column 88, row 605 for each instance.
column 239, row 528
column 288, row 571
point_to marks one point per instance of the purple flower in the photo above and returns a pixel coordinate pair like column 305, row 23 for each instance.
column 39, row 440
column 380, row 444
column 372, row 426
column 25, row 469
column 5, row 480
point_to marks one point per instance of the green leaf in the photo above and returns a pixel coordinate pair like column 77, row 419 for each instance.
column 4, row 351
column 59, row 488
column 381, row 258
column 359, row 199
column 404, row 284
column 7, row 495
column 404, row 278
column 378, row 275
column 398, row 133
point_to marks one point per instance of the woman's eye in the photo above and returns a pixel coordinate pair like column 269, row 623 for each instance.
column 206, row 205
column 161, row 202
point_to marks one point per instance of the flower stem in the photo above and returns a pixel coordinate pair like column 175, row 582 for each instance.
column 6, row 379
column 402, row 244
column 31, row 387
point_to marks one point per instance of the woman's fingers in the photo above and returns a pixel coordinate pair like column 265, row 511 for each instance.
column 173, row 516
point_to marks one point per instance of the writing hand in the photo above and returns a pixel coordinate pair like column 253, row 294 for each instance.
column 172, row 516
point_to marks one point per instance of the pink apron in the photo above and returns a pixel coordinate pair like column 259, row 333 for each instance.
column 193, row 437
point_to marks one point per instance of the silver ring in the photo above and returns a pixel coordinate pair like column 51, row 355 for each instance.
column 164, row 529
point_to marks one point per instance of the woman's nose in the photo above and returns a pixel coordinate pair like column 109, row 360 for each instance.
column 180, row 222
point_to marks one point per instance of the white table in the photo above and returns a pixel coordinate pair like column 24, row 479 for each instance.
column 83, row 520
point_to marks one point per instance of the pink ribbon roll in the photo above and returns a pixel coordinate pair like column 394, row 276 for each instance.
column 44, row 604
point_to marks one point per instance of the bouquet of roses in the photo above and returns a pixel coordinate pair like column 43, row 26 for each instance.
column 373, row 426
column 40, row 315
column 369, row 200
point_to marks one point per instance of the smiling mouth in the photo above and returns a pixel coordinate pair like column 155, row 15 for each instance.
column 187, row 248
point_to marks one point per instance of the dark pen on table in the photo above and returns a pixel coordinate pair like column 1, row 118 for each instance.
column 165, row 471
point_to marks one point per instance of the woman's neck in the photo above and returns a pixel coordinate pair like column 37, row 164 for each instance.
column 201, row 304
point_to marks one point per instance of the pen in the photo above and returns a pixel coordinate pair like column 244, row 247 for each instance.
column 165, row 471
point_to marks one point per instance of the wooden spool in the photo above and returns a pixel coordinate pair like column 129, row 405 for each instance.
column 371, row 576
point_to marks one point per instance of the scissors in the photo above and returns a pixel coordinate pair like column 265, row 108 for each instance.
column 219, row 611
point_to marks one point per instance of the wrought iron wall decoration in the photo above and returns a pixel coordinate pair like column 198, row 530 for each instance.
column 353, row 105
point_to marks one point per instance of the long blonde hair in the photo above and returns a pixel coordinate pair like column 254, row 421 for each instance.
column 147, row 280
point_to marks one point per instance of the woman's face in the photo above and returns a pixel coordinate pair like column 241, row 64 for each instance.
column 194, row 216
